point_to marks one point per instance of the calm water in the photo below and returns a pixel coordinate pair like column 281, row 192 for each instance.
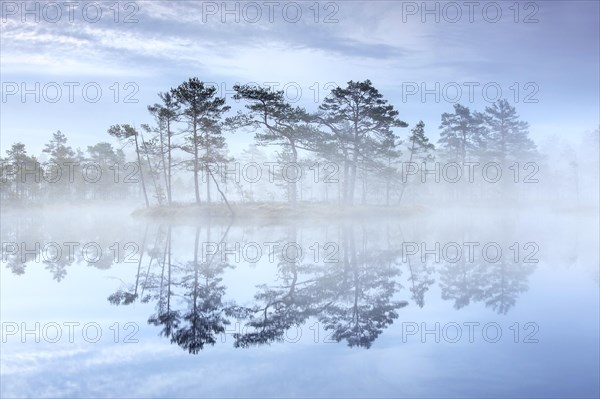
column 459, row 303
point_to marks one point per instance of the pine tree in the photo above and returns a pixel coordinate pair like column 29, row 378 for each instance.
column 419, row 147
column 202, row 111
column 61, row 165
column 420, row 150
column 166, row 115
column 358, row 118
column 508, row 136
column 22, row 170
column 58, row 149
column 463, row 134
column 276, row 122
column 130, row 134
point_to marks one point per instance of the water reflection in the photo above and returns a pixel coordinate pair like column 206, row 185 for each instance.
column 353, row 279
column 351, row 297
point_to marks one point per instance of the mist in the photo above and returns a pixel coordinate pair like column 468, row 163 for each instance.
column 238, row 199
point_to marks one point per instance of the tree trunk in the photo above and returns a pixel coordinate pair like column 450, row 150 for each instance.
column 345, row 188
column 388, row 183
column 221, row 192
column 364, row 183
column 169, row 195
column 137, row 151
column 164, row 161
column 292, row 186
column 404, row 183
column 208, row 170
column 352, row 182
column 464, row 147
column 158, row 198
column 196, row 163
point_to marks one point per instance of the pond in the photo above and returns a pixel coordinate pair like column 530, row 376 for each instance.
column 460, row 303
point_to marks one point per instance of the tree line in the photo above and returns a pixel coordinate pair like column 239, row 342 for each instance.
column 354, row 127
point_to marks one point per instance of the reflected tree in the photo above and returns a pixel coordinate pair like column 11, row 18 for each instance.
column 129, row 295
column 420, row 279
column 420, row 275
column 362, row 305
column 462, row 282
column 165, row 315
column 280, row 307
column 205, row 316
column 506, row 280
column 498, row 284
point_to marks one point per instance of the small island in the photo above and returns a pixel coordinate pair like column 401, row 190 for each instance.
column 277, row 212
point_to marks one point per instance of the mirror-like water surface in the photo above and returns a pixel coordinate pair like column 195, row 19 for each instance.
column 479, row 304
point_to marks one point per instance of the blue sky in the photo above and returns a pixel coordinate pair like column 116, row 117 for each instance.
column 554, row 60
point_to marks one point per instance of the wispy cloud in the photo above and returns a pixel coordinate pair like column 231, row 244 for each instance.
column 175, row 40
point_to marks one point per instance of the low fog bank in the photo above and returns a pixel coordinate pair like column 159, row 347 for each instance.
column 545, row 184
column 440, row 248
column 352, row 150
column 557, row 180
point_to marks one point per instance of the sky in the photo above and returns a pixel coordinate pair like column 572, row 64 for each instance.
column 81, row 68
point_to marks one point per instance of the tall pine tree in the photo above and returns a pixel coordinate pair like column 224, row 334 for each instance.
column 359, row 119
column 462, row 137
column 508, row 136
column 202, row 110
